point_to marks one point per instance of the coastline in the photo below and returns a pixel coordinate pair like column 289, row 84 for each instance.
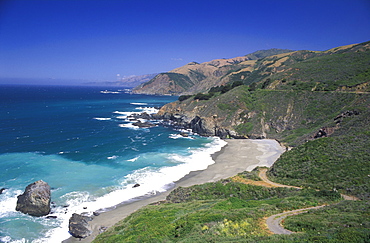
column 237, row 156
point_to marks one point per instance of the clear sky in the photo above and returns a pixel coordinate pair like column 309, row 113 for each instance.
column 94, row 40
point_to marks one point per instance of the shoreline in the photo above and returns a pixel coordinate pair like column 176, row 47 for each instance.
column 236, row 156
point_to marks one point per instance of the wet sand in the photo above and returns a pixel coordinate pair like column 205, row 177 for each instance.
column 237, row 156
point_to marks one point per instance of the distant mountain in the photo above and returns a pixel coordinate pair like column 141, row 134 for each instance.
column 266, row 53
column 129, row 82
column 200, row 77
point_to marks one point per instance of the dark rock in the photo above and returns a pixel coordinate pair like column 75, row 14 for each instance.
column 345, row 114
column 35, row 200
column 324, row 132
column 198, row 125
column 51, row 217
column 79, row 226
column 143, row 115
column 136, row 185
column 321, row 133
column 102, row 229
column 143, row 124
column 2, row 190
column 184, row 134
column 96, row 213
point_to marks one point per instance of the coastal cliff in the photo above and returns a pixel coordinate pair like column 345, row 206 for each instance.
column 292, row 117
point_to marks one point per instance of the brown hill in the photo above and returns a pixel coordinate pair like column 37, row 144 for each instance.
column 200, row 77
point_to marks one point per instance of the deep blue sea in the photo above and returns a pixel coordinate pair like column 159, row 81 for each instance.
column 79, row 141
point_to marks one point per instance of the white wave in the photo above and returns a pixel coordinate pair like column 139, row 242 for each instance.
column 134, row 159
column 109, row 92
column 8, row 202
column 148, row 110
column 113, row 157
column 137, row 103
column 102, row 118
column 128, row 125
column 177, row 136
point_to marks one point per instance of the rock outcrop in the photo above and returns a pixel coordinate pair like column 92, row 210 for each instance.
column 79, row 226
column 35, row 200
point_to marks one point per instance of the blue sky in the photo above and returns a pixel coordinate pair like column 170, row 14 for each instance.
column 94, row 40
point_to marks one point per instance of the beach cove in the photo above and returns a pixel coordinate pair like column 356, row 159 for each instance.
column 237, row 156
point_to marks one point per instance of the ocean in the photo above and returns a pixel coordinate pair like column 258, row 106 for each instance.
column 79, row 141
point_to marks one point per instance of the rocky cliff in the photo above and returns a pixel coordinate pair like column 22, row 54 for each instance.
column 292, row 117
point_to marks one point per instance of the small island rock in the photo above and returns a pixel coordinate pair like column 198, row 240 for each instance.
column 35, row 200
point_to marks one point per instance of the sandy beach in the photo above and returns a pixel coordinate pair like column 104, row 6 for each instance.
column 237, row 156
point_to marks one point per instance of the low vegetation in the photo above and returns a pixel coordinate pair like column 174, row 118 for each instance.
column 347, row 221
column 333, row 163
column 213, row 212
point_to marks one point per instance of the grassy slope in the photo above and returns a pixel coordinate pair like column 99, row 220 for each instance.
column 230, row 212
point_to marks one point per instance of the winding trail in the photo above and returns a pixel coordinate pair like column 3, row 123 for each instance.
column 274, row 221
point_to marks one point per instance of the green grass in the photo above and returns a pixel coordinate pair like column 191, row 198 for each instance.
column 328, row 72
column 226, row 212
column 336, row 162
column 348, row 221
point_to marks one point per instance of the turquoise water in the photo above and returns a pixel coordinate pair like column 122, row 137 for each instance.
column 79, row 140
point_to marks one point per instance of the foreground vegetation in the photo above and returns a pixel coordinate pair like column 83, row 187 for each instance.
column 214, row 212
column 348, row 221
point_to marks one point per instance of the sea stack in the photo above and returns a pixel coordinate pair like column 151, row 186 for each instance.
column 35, row 200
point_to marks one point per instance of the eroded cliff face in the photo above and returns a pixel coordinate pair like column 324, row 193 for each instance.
column 216, row 117
column 292, row 117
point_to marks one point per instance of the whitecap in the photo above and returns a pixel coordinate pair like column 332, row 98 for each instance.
column 102, row 118
column 128, row 125
column 148, row 110
column 177, row 136
column 134, row 159
column 109, row 92
column 137, row 103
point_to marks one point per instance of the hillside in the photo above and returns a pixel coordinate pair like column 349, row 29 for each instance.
column 274, row 68
column 199, row 77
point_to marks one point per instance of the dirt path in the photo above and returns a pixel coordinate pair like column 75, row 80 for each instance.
column 274, row 221
column 263, row 176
